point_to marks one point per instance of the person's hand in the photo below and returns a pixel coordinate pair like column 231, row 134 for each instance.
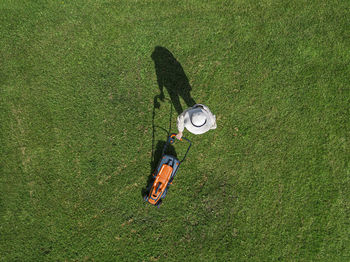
column 179, row 135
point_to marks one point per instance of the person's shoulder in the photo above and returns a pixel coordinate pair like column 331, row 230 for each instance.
column 182, row 115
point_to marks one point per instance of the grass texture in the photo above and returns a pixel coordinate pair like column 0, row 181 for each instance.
column 81, row 119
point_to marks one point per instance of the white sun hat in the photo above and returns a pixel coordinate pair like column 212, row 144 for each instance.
column 197, row 119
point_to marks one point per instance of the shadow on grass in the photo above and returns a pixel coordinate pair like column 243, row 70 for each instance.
column 171, row 75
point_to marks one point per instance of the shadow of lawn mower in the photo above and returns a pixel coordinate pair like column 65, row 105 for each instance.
column 164, row 173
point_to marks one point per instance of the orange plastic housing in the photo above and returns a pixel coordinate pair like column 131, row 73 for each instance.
column 160, row 183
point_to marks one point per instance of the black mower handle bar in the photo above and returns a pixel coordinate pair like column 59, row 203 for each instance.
column 171, row 140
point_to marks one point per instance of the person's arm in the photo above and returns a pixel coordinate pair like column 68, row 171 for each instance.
column 213, row 120
column 180, row 125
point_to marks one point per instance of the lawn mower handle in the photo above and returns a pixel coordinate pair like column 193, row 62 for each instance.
column 172, row 139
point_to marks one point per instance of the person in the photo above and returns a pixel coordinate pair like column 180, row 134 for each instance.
column 197, row 120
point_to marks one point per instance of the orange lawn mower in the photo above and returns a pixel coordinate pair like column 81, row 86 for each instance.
column 165, row 173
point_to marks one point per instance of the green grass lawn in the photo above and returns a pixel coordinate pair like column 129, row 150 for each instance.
column 79, row 128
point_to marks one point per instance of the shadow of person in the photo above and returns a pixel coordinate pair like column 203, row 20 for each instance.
column 171, row 75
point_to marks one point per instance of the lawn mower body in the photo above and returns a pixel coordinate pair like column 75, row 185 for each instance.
column 164, row 174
